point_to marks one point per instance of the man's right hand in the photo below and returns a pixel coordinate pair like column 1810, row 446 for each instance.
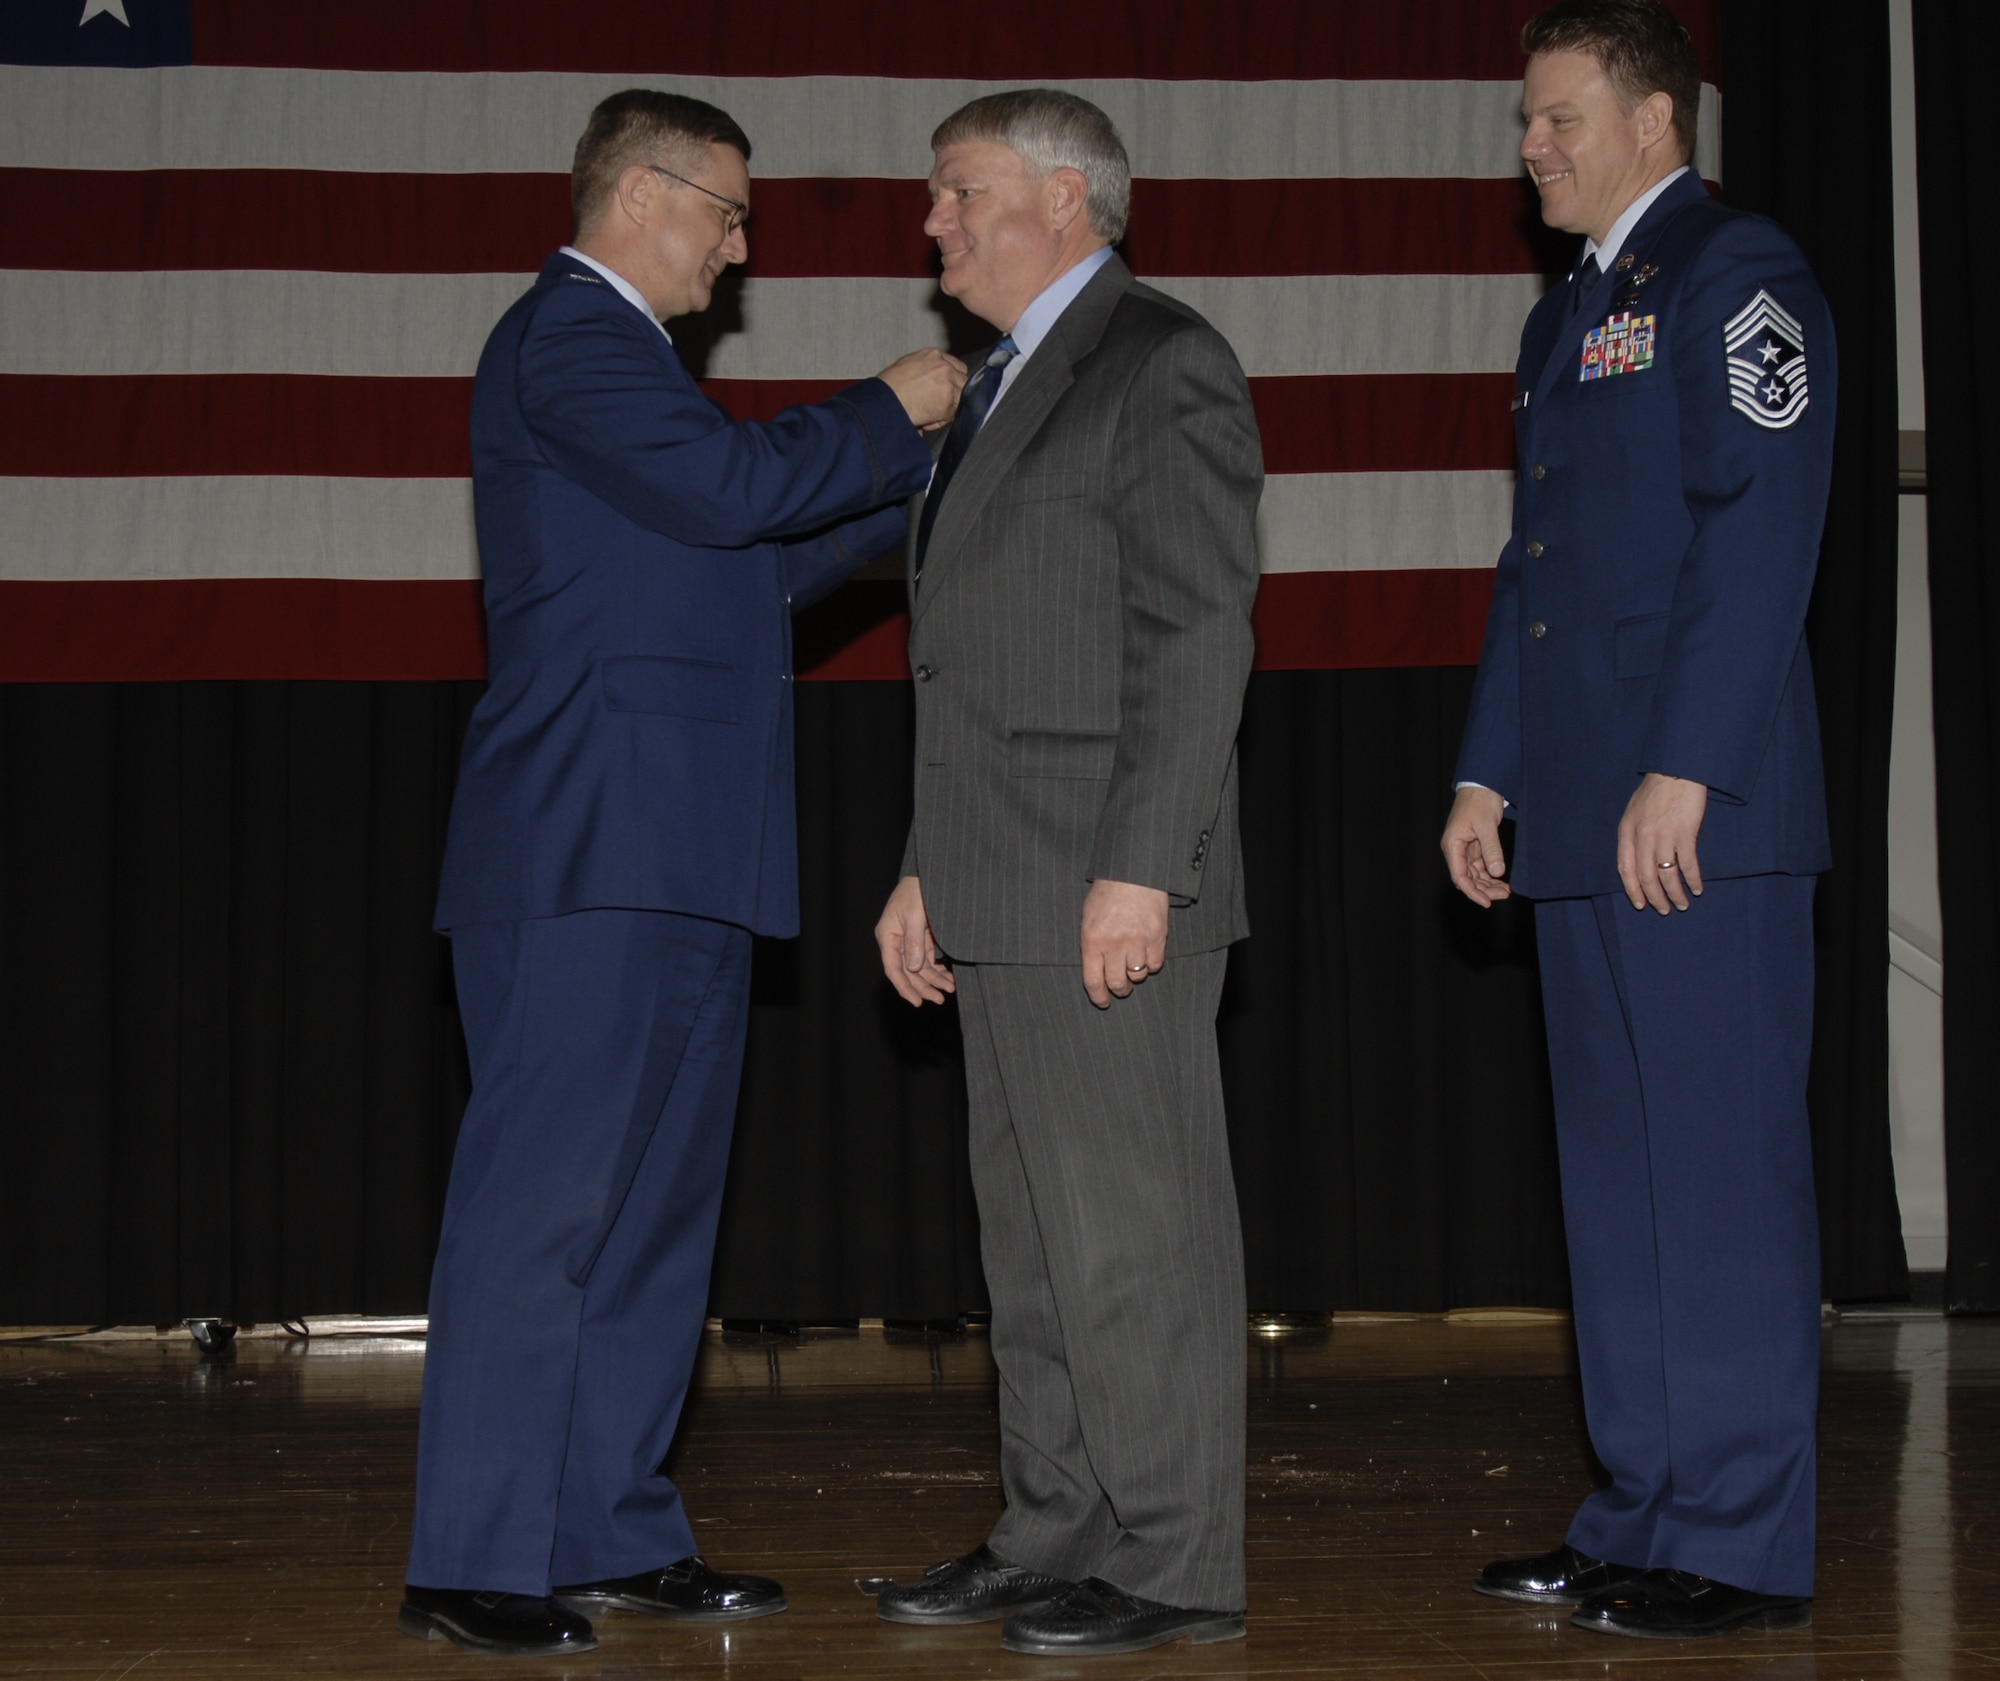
column 927, row 384
column 909, row 954
column 1472, row 846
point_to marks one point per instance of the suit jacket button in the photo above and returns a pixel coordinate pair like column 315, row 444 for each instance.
column 925, row 674
column 1541, row 472
column 1538, row 630
column 1535, row 550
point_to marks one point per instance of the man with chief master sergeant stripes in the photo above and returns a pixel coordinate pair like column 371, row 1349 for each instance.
column 1644, row 707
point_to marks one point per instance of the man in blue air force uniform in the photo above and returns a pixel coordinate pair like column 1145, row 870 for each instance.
column 1645, row 707
column 622, row 826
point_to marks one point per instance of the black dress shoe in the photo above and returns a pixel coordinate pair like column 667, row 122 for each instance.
column 1563, row 1577
column 974, row 1589
column 511, row 1624
column 1093, row 1618
column 688, row 1589
column 1673, row 1605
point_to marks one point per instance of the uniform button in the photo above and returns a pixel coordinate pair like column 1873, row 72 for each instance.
column 1541, row 472
column 925, row 674
column 1538, row 630
column 1535, row 550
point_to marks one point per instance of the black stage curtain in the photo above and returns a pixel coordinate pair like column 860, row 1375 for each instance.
column 232, row 1069
column 1954, row 44
column 1829, row 183
column 229, row 1064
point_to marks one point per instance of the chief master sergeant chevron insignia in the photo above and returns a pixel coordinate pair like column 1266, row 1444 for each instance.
column 1766, row 349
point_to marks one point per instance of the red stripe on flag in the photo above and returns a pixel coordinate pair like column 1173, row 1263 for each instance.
column 762, row 399
column 162, row 425
column 1385, row 423
column 357, row 223
column 352, row 630
column 1341, row 226
column 336, row 221
column 1339, row 621
column 344, row 630
column 157, row 425
column 1027, row 40
column 1305, row 621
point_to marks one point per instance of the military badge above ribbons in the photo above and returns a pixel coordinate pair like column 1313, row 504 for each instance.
column 1766, row 349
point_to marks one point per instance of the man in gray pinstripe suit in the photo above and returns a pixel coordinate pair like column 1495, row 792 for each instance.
column 1081, row 582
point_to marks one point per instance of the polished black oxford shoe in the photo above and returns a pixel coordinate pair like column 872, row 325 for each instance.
column 1093, row 1618
column 974, row 1589
column 1674, row 1605
column 1563, row 1577
column 507, row 1624
column 689, row 1589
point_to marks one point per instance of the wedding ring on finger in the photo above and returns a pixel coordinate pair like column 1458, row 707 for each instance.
column 1136, row 969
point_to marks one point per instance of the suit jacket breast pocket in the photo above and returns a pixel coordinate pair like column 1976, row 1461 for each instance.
column 1638, row 645
column 672, row 687
column 1040, row 487
column 1077, row 755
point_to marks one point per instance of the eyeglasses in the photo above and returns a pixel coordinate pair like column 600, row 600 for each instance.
column 739, row 212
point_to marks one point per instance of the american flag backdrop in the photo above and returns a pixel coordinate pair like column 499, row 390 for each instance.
column 250, row 249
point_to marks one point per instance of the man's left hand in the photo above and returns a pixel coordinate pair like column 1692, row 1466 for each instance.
column 1656, row 836
column 1124, row 938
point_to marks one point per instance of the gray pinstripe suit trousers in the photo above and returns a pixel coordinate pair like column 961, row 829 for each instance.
column 1108, row 1228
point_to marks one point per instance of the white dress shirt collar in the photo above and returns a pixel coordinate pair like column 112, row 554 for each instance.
column 623, row 287
column 1621, row 230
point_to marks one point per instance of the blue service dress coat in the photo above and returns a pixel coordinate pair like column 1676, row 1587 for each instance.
column 632, row 756
column 642, row 553
column 1674, row 425
column 1649, row 608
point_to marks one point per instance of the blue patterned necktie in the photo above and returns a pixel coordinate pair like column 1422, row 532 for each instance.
column 973, row 404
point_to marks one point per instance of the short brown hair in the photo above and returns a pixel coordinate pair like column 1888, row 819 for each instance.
column 642, row 125
column 1638, row 44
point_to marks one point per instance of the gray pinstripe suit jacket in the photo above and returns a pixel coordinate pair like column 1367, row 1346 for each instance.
column 1081, row 637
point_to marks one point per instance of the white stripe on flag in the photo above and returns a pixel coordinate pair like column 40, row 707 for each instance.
column 307, row 527
column 205, row 117
column 195, row 527
column 376, row 325
column 1384, row 522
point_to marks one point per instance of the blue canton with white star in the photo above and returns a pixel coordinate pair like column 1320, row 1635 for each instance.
column 118, row 34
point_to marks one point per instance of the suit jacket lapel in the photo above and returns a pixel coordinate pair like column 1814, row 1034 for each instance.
column 1013, row 424
column 916, row 520
column 1567, row 351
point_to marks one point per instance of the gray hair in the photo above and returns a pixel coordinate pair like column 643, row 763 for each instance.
column 1053, row 130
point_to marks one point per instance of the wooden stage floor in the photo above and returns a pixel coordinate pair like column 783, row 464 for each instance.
column 164, row 1518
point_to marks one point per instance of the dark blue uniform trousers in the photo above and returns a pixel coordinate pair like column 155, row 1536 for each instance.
column 571, row 1279
column 1679, row 1047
